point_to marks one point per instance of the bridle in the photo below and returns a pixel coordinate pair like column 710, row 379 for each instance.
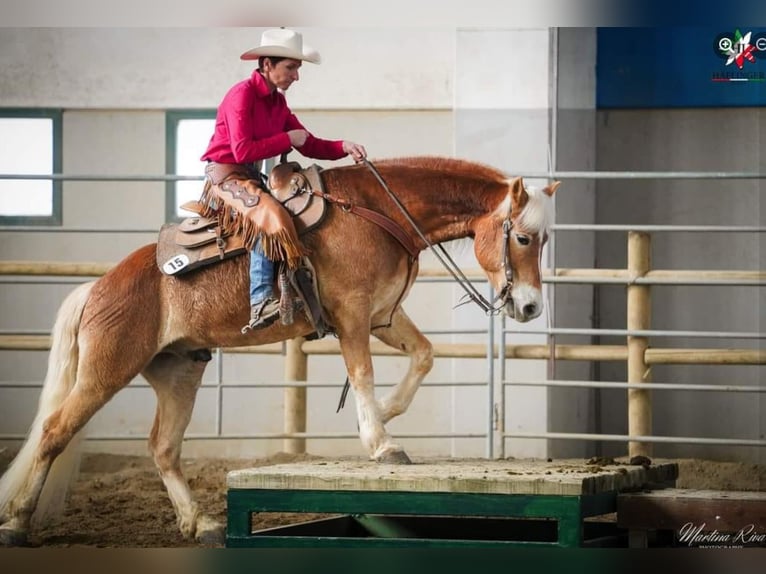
column 497, row 304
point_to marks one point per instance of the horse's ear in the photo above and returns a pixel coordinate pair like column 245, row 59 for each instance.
column 549, row 190
column 517, row 190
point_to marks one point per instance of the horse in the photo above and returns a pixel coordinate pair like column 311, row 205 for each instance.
column 136, row 320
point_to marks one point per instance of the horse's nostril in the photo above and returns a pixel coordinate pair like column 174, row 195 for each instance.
column 529, row 309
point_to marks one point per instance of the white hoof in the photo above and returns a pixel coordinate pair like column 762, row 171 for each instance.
column 393, row 456
column 210, row 532
column 10, row 536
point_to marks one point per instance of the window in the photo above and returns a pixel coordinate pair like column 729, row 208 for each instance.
column 30, row 144
column 188, row 134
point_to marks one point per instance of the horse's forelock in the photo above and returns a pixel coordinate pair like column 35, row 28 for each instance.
column 537, row 215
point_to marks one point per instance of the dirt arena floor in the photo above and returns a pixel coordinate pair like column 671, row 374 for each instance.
column 120, row 501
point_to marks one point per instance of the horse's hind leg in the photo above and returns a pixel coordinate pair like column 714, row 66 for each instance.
column 85, row 399
column 175, row 379
column 403, row 335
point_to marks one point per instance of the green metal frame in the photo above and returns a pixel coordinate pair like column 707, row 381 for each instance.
column 55, row 218
column 172, row 118
column 568, row 511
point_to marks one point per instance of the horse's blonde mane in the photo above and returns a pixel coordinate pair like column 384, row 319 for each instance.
column 449, row 165
column 537, row 215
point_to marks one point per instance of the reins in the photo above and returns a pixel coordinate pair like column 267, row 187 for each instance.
column 449, row 264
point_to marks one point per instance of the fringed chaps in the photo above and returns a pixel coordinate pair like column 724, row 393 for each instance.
column 243, row 208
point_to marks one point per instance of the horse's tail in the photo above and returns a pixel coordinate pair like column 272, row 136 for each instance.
column 59, row 381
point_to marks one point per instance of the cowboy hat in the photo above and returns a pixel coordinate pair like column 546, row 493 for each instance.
column 283, row 43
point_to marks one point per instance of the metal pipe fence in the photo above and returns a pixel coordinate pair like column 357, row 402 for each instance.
column 28, row 272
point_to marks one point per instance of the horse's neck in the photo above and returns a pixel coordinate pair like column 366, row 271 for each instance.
column 445, row 212
column 444, row 200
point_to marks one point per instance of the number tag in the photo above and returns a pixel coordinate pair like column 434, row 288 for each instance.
column 175, row 264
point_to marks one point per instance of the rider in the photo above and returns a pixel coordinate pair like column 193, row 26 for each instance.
column 254, row 123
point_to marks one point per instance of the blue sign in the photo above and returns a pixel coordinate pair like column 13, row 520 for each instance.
column 680, row 67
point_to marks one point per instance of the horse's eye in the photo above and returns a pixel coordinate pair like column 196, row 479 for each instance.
column 522, row 239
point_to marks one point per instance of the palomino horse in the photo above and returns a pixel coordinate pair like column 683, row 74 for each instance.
column 135, row 320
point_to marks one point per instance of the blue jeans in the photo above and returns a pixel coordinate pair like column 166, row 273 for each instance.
column 261, row 274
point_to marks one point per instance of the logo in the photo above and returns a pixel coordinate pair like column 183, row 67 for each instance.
column 698, row 536
column 737, row 50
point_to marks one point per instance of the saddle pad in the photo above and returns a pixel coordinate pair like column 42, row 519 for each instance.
column 174, row 259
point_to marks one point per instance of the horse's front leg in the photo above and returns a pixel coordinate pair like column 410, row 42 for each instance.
column 355, row 346
column 403, row 335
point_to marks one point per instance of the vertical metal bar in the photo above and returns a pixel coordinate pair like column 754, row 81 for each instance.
column 550, row 289
column 552, row 166
column 219, row 392
column 490, row 378
column 499, row 413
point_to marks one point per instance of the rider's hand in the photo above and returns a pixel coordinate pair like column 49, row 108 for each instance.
column 297, row 137
column 356, row 151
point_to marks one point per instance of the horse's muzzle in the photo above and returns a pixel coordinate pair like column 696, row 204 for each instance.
column 524, row 304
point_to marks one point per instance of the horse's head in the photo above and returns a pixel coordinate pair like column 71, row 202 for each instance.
column 508, row 243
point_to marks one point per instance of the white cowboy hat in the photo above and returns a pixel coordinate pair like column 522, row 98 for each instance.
column 283, row 43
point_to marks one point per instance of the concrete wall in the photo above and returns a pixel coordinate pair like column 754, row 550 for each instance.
column 140, row 68
column 114, row 86
column 502, row 118
column 570, row 409
column 688, row 140
column 482, row 94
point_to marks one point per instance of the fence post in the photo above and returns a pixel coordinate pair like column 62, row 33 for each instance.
column 296, row 367
column 639, row 318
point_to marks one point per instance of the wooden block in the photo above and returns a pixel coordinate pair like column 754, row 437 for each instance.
column 673, row 508
column 560, row 477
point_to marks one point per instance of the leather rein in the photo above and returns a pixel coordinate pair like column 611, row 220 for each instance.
column 406, row 241
column 471, row 292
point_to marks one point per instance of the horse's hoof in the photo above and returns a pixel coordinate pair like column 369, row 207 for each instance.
column 10, row 537
column 213, row 537
column 210, row 532
column 395, row 457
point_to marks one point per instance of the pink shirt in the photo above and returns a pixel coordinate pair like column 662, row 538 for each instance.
column 252, row 124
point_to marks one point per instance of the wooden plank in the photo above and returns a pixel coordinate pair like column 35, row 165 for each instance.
column 561, row 477
column 705, row 356
column 57, row 268
column 709, row 510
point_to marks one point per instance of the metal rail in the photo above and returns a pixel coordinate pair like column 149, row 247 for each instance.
column 551, row 174
column 555, row 227
column 639, row 438
column 558, row 276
